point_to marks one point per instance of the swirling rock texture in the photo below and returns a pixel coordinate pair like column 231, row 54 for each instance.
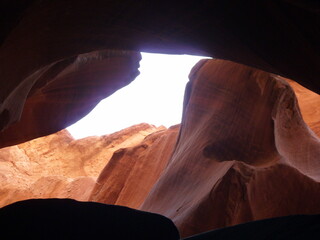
column 244, row 152
column 61, row 167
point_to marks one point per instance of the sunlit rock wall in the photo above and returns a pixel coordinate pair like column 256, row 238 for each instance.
column 59, row 166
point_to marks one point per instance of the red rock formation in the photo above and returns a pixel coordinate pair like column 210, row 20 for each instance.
column 131, row 172
column 59, row 166
column 243, row 153
column 40, row 42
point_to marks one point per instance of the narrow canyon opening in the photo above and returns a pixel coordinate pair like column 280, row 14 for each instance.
column 154, row 97
column 73, row 161
column 244, row 163
column 235, row 134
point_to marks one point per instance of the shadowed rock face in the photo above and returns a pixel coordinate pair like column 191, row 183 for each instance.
column 63, row 92
column 40, row 42
column 292, row 227
column 244, row 152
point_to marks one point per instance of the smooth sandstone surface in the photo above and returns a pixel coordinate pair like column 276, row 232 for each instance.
column 243, row 153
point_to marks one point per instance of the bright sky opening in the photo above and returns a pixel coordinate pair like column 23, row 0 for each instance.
column 154, row 97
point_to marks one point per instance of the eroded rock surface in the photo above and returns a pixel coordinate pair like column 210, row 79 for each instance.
column 59, row 166
column 244, row 152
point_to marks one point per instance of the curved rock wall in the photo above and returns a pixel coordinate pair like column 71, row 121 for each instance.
column 244, row 152
column 61, row 93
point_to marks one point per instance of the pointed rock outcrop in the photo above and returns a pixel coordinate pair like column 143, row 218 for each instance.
column 131, row 172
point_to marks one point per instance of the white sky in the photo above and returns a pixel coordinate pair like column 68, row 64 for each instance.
column 154, row 97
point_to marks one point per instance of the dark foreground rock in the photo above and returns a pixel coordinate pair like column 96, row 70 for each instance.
column 70, row 219
column 291, row 227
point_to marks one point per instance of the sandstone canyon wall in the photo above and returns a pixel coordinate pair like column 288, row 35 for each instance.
column 244, row 152
column 59, row 166
column 242, row 139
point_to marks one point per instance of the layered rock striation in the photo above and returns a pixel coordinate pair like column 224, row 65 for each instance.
column 243, row 153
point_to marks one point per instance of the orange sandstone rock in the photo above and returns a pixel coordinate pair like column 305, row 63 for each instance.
column 243, row 153
column 131, row 172
column 59, row 166
column 309, row 103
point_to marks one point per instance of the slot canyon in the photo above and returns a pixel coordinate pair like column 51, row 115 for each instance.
column 243, row 164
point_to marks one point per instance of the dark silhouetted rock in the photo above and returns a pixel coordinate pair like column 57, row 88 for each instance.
column 292, row 227
column 68, row 219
